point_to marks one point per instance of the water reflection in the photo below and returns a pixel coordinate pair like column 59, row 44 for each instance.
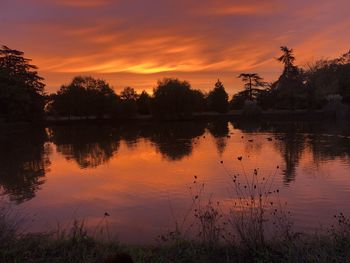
column 176, row 141
column 291, row 147
column 24, row 161
column 24, row 155
column 88, row 145
column 328, row 147
column 91, row 146
column 220, row 131
column 326, row 140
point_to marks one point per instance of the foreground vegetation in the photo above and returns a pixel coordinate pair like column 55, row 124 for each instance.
column 324, row 84
column 76, row 245
column 44, row 248
column 256, row 227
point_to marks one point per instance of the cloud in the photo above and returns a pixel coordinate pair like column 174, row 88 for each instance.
column 246, row 8
column 82, row 3
column 143, row 40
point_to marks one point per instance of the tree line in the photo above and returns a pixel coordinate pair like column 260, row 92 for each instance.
column 313, row 86
column 171, row 99
column 23, row 96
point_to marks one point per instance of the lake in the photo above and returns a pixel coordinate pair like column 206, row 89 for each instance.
column 140, row 174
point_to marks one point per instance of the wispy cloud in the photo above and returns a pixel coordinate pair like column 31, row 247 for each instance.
column 229, row 8
column 142, row 40
column 82, row 3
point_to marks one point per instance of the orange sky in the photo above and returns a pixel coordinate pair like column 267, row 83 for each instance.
column 136, row 42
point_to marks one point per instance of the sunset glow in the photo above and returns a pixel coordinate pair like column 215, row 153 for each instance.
column 174, row 131
column 134, row 43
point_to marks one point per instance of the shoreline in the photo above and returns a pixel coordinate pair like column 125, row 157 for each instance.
column 238, row 114
column 76, row 245
column 269, row 115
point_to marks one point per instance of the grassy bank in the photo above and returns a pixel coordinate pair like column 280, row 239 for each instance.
column 77, row 246
column 233, row 114
column 255, row 228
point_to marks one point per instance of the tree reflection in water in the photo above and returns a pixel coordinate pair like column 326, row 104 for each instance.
column 24, row 155
column 91, row 146
column 24, row 161
column 327, row 140
column 219, row 130
column 88, row 145
column 175, row 140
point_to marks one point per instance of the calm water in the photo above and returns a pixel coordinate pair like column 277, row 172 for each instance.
column 140, row 174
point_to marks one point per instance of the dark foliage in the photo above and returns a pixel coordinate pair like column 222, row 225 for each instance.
column 173, row 99
column 218, row 98
column 144, row 103
column 199, row 101
column 297, row 88
column 252, row 84
column 84, row 96
column 324, row 84
column 328, row 77
column 237, row 100
column 21, row 88
column 128, row 105
column 289, row 89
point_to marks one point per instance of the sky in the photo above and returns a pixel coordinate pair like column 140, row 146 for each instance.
column 137, row 42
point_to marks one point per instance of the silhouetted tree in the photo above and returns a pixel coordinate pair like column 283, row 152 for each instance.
column 21, row 88
column 237, row 100
column 328, row 77
column 252, row 84
column 218, row 98
column 290, row 91
column 266, row 98
column 199, row 100
column 85, row 96
column 321, row 81
column 172, row 99
column 128, row 108
column 287, row 58
column 144, row 103
column 129, row 94
column 299, row 88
